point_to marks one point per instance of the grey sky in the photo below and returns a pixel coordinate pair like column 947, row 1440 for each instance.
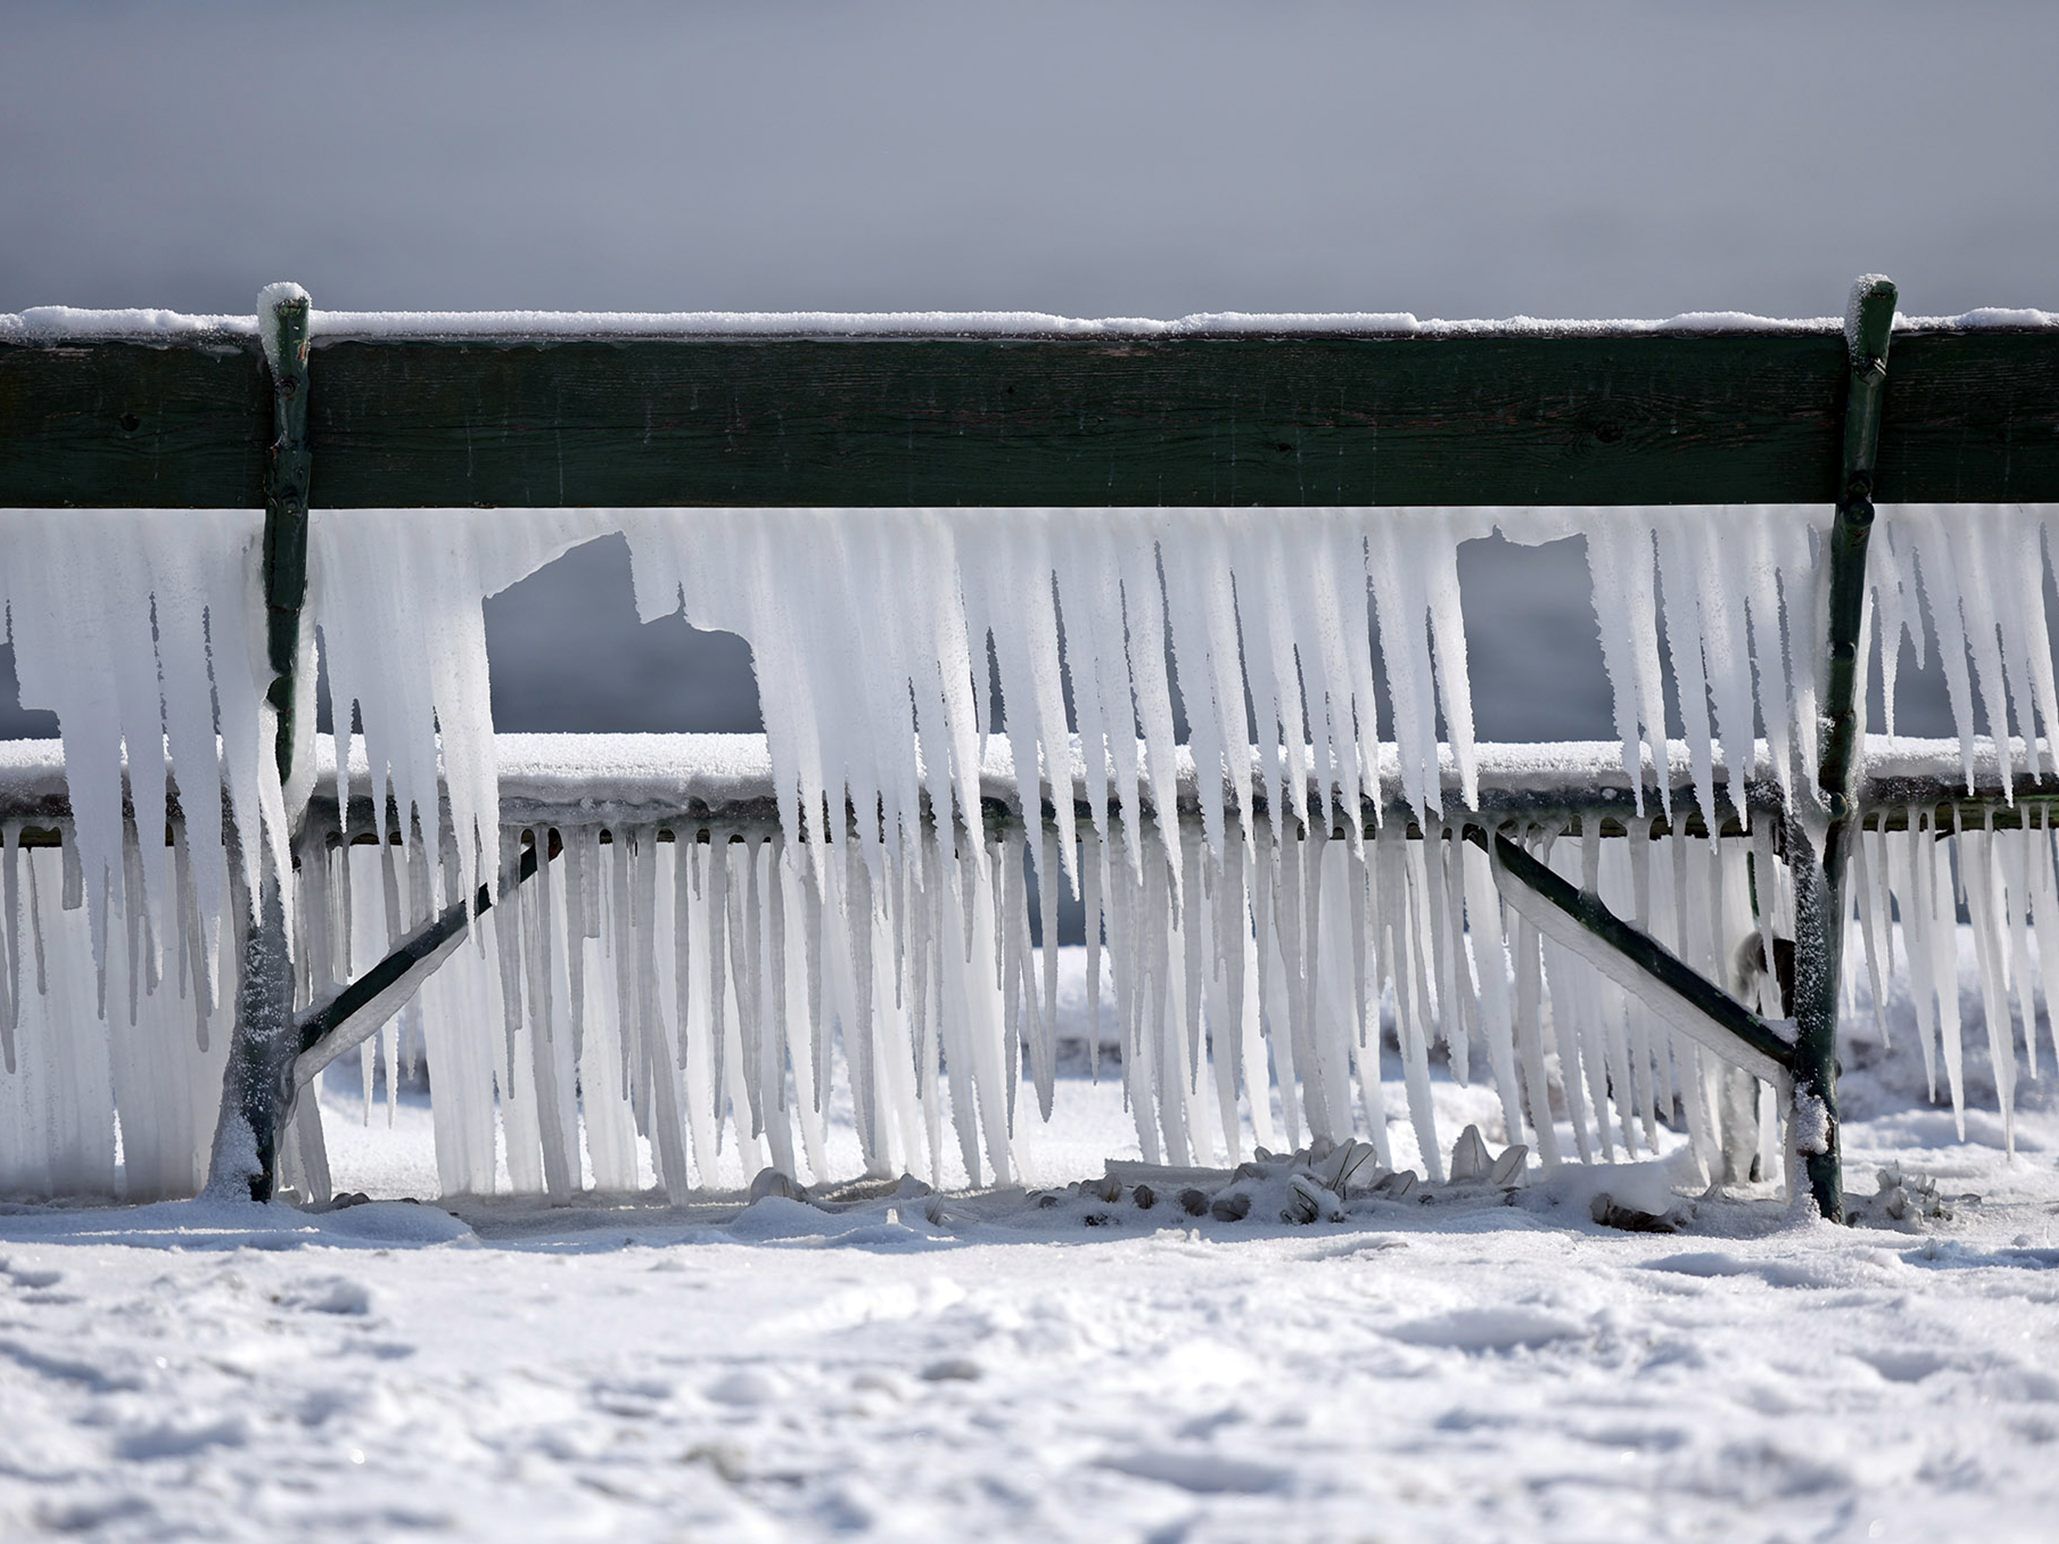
column 1490, row 159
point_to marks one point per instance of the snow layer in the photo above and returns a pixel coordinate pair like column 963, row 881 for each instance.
column 898, row 1366
column 604, row 778
column 269, row 300
column 55, row 324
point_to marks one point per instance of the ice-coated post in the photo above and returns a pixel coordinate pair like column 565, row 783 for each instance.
column 257, row 1091
column 1820, row 907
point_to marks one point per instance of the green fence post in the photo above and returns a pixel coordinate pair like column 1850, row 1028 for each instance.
column 1818, row 857
column 257, row 1091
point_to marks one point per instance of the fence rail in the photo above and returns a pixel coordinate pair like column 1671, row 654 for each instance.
column 697, row 781
column 1219, row 419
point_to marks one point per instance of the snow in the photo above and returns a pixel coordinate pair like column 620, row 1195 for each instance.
column 57, row 324
column 902, row 1365
column 1862, row 286
column 63, row 324
column 600, row 779
column 269, row 300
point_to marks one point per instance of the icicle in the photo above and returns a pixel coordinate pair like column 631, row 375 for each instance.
column 813, row 880
column 2045, row 923
column 1873, row 922
column 1395, row 907
column 1760, row 583
column 1983, row 905
column 1940, row 923
column 1682, row 594
column 1619, row 563
column 1259, row 945
column 2011, row 855
column 10, row 867
column 1724, row 653
column 1909, row 859
column 1458, row 995
column 1483, row 915
column 1405, row 650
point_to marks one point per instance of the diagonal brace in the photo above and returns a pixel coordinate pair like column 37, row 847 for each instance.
column 327, row 1029
column 1637, row 962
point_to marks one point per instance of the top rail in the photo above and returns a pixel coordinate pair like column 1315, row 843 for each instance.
column 1231, row 415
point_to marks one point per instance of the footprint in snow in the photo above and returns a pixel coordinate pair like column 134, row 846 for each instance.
column 1716, row 1263
column 746, row 1386
column 328, row 1294
column 170, row 1439
column 29, row 1278
column 1904, row 1364
column 1489, row 1329
column 1200, row 1473
column 632, row 1398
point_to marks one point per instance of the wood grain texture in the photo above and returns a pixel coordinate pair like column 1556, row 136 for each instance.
column 1226, row 421
column 130, row 425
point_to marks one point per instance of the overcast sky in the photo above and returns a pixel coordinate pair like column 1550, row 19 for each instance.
column 1130, row 159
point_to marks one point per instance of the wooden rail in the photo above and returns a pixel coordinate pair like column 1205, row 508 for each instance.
column 1485, row 417
column 549, row 781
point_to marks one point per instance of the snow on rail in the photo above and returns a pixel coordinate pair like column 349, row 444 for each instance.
column 638, row 778
column 67, row 324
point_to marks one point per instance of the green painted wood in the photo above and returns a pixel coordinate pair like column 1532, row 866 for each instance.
column 258, row 1091
column 1820, row 904
column 1195, row 421
column 1970, row 418
column 288, row 471
column 112, row 425
column 1475, row 419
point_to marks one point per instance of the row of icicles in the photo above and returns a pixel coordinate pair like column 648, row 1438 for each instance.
column 138, row 629
column 687, row 1013
column 1337, row 633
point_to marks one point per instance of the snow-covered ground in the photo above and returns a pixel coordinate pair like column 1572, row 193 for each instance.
column 973, row 1365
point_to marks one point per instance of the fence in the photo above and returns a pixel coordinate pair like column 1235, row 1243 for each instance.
column 440, row 412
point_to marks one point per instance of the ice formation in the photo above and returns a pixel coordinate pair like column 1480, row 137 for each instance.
column 1737, row 589
column 1277, row 898
column 395, row 595
column 705, row 992
column 1971, row 584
